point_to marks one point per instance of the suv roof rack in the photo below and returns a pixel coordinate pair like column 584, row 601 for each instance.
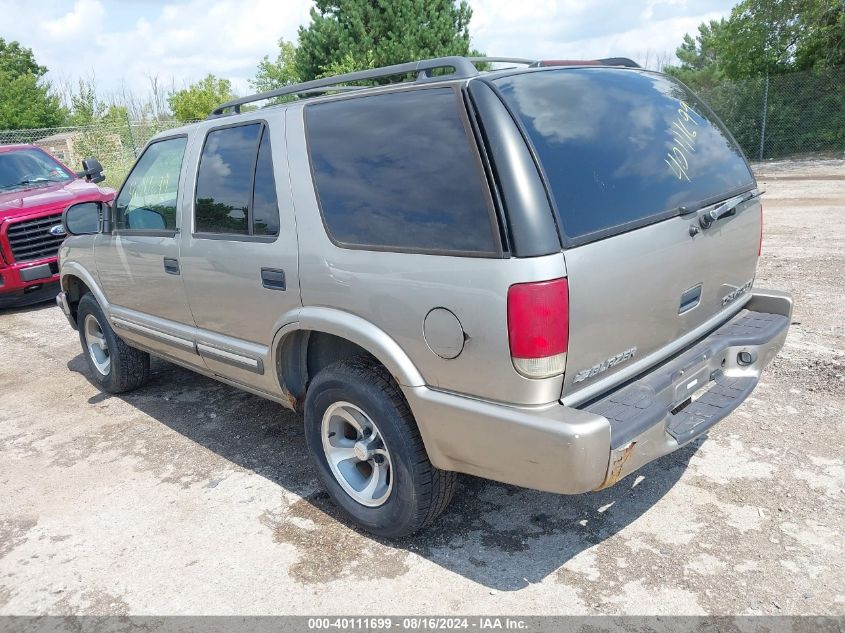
column 464, row 67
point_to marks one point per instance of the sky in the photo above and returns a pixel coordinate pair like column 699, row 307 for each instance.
column 122, row 43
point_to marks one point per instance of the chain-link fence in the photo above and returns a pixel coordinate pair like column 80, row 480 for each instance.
column 783, row 115
column 114, row 144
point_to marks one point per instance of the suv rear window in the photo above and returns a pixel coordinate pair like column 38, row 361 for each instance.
column 396, row 172
column 622, row 148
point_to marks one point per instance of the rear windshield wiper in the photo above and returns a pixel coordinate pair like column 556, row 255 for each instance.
column 723, row 209
column 729, row 206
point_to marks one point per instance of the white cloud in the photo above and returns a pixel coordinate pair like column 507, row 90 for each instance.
column 85, row 15
column 180, row 41
column 578, row 30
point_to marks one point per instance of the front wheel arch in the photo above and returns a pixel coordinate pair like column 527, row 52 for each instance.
column 75, row 289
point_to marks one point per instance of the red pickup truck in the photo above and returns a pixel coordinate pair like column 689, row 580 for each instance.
column 35, row 189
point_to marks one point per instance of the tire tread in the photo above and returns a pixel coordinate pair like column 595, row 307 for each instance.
column 130, row 367
column 435, row 487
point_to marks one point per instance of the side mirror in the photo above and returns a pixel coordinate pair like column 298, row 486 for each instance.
column 86, row 218
column 92, row 170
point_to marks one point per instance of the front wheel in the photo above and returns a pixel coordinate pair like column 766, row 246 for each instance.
column 114, row 366
column 368, row 450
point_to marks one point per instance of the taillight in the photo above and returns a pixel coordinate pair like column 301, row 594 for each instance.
column 538, row 327
column 760, row 244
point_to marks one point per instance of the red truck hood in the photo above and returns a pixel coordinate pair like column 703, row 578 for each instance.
column 53, row 197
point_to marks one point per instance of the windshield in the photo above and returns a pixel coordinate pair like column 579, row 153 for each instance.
column 29, row 167
column 621, row 148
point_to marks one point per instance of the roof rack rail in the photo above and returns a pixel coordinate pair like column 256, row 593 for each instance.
column 607, row 61
column 462, row 66
column 507, row 60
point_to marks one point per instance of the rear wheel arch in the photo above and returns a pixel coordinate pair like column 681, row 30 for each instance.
column 324, row 336
column 302, row 354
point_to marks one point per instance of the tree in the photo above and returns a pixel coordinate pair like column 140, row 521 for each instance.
column 761, row 37
column 199, row 99
column 745, row 68
column 824, row 46
column 17, row 60
column 765, row 37
column 85, row 106
column 279, row 73
column 699, row 56
column 356, row 34
column 26, row 99
column 350, row 63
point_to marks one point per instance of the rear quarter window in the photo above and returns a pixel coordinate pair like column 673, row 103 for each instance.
column 621, row 148
column 397, row 171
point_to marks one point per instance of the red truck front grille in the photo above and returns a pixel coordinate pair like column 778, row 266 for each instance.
column 31, row 239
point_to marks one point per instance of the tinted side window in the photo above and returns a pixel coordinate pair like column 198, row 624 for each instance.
column 396, row 171
column 147, row 200
column 224, row 182
column 265, row 208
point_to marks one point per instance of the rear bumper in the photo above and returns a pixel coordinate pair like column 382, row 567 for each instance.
column 570, row 451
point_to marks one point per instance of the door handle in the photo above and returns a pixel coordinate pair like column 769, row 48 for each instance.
column 171, row 266
column 273, row 278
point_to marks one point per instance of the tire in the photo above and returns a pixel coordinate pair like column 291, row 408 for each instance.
column 414, row 492
column 114, row 366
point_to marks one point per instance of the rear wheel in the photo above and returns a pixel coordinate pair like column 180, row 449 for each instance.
column 368, row 450
column 114, row 366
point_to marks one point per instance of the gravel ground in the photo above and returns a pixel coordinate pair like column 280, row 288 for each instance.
column 188, row 496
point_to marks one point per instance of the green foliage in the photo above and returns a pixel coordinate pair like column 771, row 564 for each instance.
column 17, row 60
column 279, row 73
column 350, row 63
column 699, row 56
column 824, row 45
column 26, row 100
column 85, row 107
column 761, row 37
column 805, row 112
column 729, row 61
column 764, row 37
column 356, row 34
column 199, row 99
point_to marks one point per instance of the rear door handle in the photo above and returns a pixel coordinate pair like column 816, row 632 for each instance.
column 171, row 266
column 273, row 278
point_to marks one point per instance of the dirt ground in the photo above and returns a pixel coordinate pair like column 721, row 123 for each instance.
column 189, row 496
